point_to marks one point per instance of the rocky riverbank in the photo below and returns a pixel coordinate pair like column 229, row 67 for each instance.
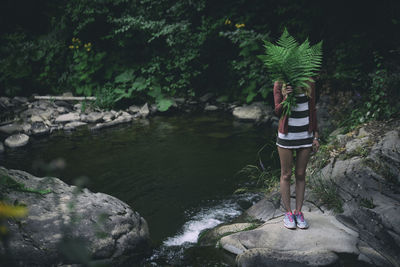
column 352, row 204
column 68, row 225
column 24, row 117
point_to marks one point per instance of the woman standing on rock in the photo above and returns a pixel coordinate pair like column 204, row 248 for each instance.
column 299, row 132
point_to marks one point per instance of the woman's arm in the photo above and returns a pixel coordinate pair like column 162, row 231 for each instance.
column 278, row 98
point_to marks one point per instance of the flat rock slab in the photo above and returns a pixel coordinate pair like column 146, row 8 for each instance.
column 273, row 243
column 73, row 116
column 11, row 128
column 247, row 112
column 74, row 124
column 16, row 140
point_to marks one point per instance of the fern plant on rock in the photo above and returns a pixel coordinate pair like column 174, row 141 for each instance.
column 292, row 64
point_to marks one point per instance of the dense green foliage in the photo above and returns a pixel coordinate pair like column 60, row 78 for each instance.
column 153, row 50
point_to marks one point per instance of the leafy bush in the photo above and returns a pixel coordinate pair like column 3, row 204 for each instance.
column 84, row 66
column 249, row 72
column 380, row 102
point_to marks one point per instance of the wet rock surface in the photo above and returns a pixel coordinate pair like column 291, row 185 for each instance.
column 65, row 220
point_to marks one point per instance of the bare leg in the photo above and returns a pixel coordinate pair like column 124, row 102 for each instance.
column 286, row 159
column 302, row 157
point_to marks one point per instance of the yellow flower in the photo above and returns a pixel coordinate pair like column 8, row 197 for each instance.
column 12, row 211
column 88, row 49
column 71, row 47
column 3, row 230
column 239, row 25
column 77, row 46
column 228, row 21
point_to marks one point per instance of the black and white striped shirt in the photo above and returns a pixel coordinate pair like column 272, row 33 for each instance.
column 298, row 122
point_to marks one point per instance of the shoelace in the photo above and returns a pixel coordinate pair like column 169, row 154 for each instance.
column 290, row 216
column 300, row 214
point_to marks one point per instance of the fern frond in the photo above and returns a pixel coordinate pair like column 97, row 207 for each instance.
column 292, row 63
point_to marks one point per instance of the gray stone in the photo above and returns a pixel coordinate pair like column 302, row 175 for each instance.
column 206, row 97
column 108, row 116
column 211, row 236
column 94, row 117
column 362, row 132
column 153, row 108
column 134, row 109
column 210, row 107
column 47, row 114
column 342, row 139
column 40, row 128
column 118, row 120
column 36, row 118
column 36, row 238
column 73, row 116
column 353, row 145
column 315, row 246
column 5, row 102
column 266, row 208
column 78, row 107
column 64, row 104
column 20, row 100
column 62, row 110
column 144, row 110
column 26, row 127
column 43, row 104
column 16, row 140
column 1, row 147
column 253, row 113
column 11, row 128
column 72, row 125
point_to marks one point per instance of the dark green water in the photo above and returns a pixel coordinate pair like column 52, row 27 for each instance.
column 178, row 172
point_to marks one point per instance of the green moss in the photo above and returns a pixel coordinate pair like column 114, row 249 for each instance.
column 361, row 151
column 367, row 203
column 327, row 193
column 8, row 183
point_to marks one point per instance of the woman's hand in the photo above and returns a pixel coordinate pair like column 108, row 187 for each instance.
column 315, row 145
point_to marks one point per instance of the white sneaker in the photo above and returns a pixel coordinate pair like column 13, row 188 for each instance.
column 300, row 221
column 289, row 220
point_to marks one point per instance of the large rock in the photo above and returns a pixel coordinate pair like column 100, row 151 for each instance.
column 68, row 221
column 367, row 178
column 11, row 128
column 251, row 112
column 72, row 116
column 274, row 245
column 16, row 140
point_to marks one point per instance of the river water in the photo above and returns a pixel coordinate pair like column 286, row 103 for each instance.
column 178, row 172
